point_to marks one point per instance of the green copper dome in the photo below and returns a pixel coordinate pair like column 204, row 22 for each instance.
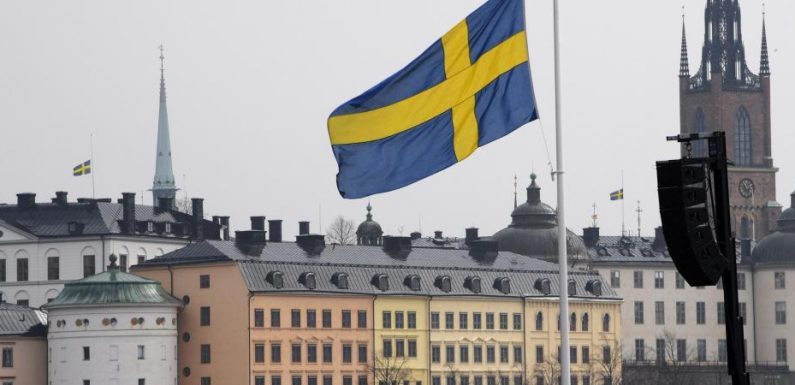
column 113, row 287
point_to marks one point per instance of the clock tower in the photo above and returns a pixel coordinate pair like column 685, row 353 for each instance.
column 725, row 95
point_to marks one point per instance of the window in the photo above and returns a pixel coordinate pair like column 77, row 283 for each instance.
column 740, row 281
column 517, row 321
column 276, row 318
column 141, row 352
column 89, row 268
column 585, row 322
column 399, row 319
column 681, row 350
column 640, row 350
column 701, row 313
column 53, row 268
column 204, row 316
column 448, row 320
column 701, row 350
column 276, row 353
column 204, row 381
column 476, row 321
column 311, row 380
column 22, row 269
column 296, row 353
column 8, row 357
column 259, row 318
column 781, row 313
column 463, row 321
column 721, row 313
column 361, row 319
column 386, row 320
column 436, row 380
column 295, row 318
column 311, row 318
column 606, row 356
column 363, row 351
column 328, row 380
column 412, row 318
column 539, row 354
column 742, row 138
column 504, row 354
column 743, row 313
column 573, row 322
column 490, row 356
column 311, row 353
column 659, row 280
column 680, row 313
column 722, row 352
column 2, row 270
column 204, row 281
column 259, row 380
column 434, row 320
column 517, row 354
column 328, row 353
column 477, row 354
column 503, row 321
column 449, row 354
column 659, row 349
column 387, row 348
column 659, row 313
column 259, row 353
column 363, row 380
column 680, row 281
column 490, row 321
column 463, row 353
column 205, row 354
column 638, row 279
column 412, row 348
column 586, row 355
column 346, row 319
column 296, row 380
column 276, row 380
column 141, row 258
column 436, row 354
column 638, row 312
column 606, row 323
column 700, row 146
column 86, row 353
column 615, row 279
column 781, row 350
column 539, row 321
column 400, row 347
column 779, row 281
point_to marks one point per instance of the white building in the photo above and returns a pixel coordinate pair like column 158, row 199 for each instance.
column 44, row 245
column 113, row 328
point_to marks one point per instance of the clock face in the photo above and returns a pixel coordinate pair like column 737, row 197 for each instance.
column 746, row 188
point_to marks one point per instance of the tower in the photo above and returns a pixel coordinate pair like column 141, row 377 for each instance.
column 163, row 185
column 725, row 95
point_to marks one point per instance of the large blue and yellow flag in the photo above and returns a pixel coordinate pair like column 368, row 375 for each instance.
column 469, row 88
column 82, row 168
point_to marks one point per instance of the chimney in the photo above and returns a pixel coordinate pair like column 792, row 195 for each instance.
column 251, row 242
column 311, row 243
column 471, row 235
column 258, row 223
column 165, row 203
column 275, row 230
column 224, row 227
column 437, row 234
column 590, row 235
column 198, row 218
column 128, row 213
column 60, row 198
column 416, row 235
column 483, row 252
column 659, row 244
column 303, row 228
column 26, row 200
column 397, row 247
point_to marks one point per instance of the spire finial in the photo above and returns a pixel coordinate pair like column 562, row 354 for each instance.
column 162, row 58
column 765, row 61
column 515, row 186
column 369, row 209
column 639, row 211
column 594, row 217
column 113, row 266
column 684, row 65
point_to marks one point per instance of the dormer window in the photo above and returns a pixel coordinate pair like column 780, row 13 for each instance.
column 595, row 287
column 276, row 279
column 572, row 287
column 168, row 228
column 308, row 280
column 543, row 285
column 503, row 285
column 381, row 281
column 473, row 284
column 340, row 280
column 150, row 227
column 413, row 282
column 444, row 283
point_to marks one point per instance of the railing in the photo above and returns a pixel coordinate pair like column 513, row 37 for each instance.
column 752, row 366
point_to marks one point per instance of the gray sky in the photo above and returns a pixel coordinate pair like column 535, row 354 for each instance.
column 250, row 85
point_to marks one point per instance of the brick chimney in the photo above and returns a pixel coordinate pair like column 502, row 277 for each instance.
column 275, row 230
column 128, row 213
column 198, row 218
column 258, row 223
column 26, row 200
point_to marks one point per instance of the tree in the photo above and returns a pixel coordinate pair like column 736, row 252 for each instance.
column 549, row 370
column 389, row 370
column 341, row 231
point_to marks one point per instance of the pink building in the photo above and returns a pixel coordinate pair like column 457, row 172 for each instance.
column 23, row 343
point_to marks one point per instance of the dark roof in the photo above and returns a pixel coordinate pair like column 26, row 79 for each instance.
column 362, row 263
column 16, row 320
column 634, row 249
column 777, row 248
column 97, row 218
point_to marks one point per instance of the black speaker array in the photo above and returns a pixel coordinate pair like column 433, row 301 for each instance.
column 682, row 190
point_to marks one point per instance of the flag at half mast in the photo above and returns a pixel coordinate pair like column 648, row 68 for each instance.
column 469, row 88
column 82, row 168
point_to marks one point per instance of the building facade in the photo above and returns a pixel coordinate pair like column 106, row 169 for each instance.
column 725, row 95
column 23, row 343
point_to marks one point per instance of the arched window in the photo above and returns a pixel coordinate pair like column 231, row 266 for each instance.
column 745, row 228
column 742, row 138
column 585, row 321
column 606, row 323
column 700, row 146
column 573, row 323
column 540, row 321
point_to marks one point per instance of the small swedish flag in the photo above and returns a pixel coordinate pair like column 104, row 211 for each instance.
column 82, row 168
column 617, row 195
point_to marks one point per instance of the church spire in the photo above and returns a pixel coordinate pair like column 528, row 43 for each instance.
column 684, row 66
column 764, row 62
column 163, row 185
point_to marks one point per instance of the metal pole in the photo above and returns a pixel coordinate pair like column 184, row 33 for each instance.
column 91, row 161
column 565, row 370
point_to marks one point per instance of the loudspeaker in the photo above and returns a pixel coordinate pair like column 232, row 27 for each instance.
column 682, row 188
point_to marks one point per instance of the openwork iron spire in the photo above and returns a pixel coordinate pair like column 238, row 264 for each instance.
column 765, row 61
column 684, row 65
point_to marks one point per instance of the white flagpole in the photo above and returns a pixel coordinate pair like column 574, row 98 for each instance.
column 91, row 161
column 565, row 370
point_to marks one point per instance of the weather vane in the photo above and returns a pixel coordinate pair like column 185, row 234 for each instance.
column 162, row 58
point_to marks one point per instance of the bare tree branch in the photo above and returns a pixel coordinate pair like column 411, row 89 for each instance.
column 341, row 231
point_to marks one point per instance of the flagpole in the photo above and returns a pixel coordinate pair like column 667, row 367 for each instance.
column 91, row 160
column 565, row 370
column 623, row 230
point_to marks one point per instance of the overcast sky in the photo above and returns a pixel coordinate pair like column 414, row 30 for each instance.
column 250, row 85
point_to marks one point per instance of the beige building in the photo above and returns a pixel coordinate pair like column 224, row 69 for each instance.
column 23, row 343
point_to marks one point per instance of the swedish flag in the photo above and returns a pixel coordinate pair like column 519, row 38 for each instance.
column 617, row 195
column 469, row 88
column 82, row 168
